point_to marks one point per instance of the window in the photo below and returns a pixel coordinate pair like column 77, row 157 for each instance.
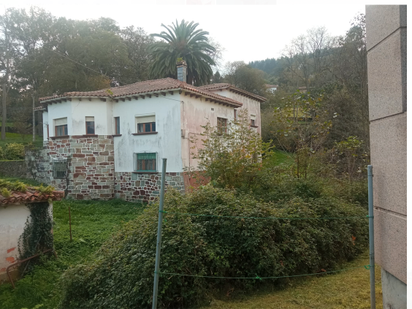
column 145, row 162
column 59, row 169
column 235, row 114
column 116, row 125
column 253, row 121
column 90, row 125
column 221, row 125
column 146, row 124
column 60, row 127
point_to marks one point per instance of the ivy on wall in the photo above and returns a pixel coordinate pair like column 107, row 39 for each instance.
column 37, row 235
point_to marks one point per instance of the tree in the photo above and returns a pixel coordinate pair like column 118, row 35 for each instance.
column 8, row 52
column 183, row 40
column 349, row 98
column 307, row 58
column 137, row 42
column 245, row 77
column 231, row 156
column 302, row 127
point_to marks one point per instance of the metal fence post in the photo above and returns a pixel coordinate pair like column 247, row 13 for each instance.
column 371, row 237
column 159, row 236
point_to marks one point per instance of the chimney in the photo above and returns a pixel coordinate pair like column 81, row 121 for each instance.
column 181, row 70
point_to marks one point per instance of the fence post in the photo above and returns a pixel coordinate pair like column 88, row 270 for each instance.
column 159, row 237
column 371, row 237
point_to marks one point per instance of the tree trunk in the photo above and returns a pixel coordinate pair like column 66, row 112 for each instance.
column 4, row 115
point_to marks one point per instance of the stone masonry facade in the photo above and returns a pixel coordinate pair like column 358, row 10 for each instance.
column 90, row 171
column 89, row 162
column 91, row 167
column 139, row 187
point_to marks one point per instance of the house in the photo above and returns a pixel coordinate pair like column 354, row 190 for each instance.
column 271, row 88
column 110, row 143
column 14, row 214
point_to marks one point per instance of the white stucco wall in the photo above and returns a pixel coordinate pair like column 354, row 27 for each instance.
column 101, row 111
column 45, row 117
column 12, row 221
column 195, row 113
column 56, row 111
column 166, row 143
column 76, row 111
column 176, row 115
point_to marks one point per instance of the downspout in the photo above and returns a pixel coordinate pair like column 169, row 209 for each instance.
column 371, row 237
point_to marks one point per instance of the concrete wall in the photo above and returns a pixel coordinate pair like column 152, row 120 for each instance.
column 386, row 44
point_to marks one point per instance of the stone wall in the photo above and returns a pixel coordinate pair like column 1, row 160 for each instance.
column 89, row 161
column 91, row 167
column 39, row 165
column 139, row 187
column 91, row 172
column 13, row 169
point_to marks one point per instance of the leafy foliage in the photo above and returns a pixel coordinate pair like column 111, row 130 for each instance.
column 14, row 151
column 302, row 126
column 37, row 235
column 183, row 40
column 13, row 185
column 245, row 77
column 231, row 156
column 349, row 158
column 92, row 223
column 121, row 273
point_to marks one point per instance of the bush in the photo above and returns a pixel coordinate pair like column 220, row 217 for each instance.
column 1, row 153
column 355, row 191
column 14, row 151
column 231, row 154
column 121, row 274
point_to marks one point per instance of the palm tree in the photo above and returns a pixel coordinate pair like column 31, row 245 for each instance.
column 183, row 41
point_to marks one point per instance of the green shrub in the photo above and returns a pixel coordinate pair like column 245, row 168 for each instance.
column 14, row 151
column 355, row 191
column 1, row 153
column 121, row 273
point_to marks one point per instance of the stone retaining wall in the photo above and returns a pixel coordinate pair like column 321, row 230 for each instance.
column 16, row 169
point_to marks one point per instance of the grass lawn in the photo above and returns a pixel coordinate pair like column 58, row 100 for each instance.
column 344, row 290
column 18, row 138
column 92, row 223
column 281, row 157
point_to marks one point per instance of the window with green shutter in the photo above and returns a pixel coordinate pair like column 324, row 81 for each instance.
column 146, row 162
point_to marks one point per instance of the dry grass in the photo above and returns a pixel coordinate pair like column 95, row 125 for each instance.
column 345, row 290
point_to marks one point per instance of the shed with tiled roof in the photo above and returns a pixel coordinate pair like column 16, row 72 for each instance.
column 14, row 214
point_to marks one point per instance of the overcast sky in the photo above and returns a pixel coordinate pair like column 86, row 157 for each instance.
column 247, row 29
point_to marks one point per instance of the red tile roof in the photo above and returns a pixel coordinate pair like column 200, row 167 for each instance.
column 30, row 196
column 223, row 86
column 150, row 86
